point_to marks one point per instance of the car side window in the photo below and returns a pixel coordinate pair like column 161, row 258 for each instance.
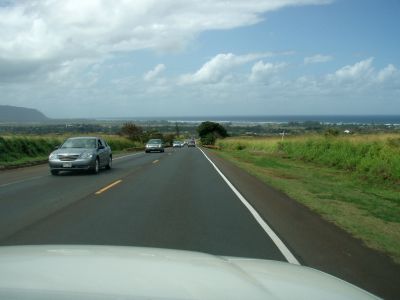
column 99, row 144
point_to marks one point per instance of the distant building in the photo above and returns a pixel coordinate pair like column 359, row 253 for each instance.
column 347, row 131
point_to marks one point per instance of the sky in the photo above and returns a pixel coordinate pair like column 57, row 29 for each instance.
column 148, row 58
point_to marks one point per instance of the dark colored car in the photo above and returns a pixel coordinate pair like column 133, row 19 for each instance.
column 81, row 153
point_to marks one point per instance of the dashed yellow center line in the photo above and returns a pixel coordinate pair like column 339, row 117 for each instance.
column 156, row 161
column 108, row 187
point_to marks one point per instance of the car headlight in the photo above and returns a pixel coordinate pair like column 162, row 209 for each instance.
column 52, row 156
column 147, row 146
column 86, row 155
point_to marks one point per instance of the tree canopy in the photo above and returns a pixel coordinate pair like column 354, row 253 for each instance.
column 210, row 131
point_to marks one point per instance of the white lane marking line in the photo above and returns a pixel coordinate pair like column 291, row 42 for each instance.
column 21, row 181
column 129, row 155
column 277, row 241
column 156, row 161
column 108, row 187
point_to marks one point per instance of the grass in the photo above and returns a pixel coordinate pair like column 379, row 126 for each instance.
column 365, row 206
column 20, row 150
column 375, row 158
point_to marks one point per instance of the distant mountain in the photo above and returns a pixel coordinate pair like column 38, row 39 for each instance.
column 13, row 114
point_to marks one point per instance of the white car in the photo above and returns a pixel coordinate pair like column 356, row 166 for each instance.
column 112, row 272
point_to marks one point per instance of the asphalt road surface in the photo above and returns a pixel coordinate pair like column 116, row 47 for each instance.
column 178, row 200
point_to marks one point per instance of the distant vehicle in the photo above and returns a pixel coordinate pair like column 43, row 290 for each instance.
column 154, row 145
column 177, row 144
column 191, row 143
column 112, row 272
column 81, row 153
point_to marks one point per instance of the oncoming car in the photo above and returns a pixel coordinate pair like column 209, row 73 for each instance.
column 177, row 144
column 154, row 145
column 81, row 153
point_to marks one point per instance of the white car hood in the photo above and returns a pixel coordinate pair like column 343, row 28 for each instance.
column 111, row 272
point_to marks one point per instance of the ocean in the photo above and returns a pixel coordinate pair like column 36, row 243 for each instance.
column 328, row 119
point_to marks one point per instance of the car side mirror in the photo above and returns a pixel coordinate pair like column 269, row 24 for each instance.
column 100, row 147
column 56, row 147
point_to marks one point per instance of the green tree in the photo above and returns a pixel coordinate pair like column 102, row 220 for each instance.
column 154, row 134
column 210, row 131
column 168, row 138
column 132, row 132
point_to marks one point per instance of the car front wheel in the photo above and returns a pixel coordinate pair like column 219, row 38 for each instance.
column 109, row 165
column 54, row 172
column 96, row 167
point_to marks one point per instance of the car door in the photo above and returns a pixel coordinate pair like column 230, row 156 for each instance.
column 102, row 152
column 107, row 151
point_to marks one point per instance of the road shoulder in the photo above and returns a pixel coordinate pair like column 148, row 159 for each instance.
column 314, row 241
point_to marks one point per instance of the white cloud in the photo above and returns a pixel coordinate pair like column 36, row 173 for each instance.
column 218, row 68
column 318, row 58
column 152, row 74
column 261, row 71
column 359, row 78
column 278, row 93
column 358, row 71
column 363, row 76
column 38, row 32
column 387, row 73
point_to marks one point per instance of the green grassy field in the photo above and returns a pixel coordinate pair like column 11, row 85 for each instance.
column 351, row 181
column 20, row 150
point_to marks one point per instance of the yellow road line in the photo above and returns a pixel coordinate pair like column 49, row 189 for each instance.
column 108, row 187
column 156, row 161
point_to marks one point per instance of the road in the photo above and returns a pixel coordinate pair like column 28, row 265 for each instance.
column 170, row 200
column 178, row 200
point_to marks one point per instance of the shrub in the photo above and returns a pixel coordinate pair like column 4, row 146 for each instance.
column 16, row 148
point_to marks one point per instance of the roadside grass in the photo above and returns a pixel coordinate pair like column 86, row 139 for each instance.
column 367, row 208
column 18, row 150
column 375, row 158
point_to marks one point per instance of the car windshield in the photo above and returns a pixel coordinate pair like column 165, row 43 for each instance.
column 260, row 129
column 155, row 141
column 79, row 143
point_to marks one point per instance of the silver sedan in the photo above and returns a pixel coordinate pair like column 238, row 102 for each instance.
column 156, row 145
column 81, row 153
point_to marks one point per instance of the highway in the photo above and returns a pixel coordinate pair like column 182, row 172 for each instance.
column 179, row 200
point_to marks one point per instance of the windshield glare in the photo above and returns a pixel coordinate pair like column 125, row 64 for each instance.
column 79, row 143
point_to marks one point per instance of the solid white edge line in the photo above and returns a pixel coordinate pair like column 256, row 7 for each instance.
column 277, row 241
